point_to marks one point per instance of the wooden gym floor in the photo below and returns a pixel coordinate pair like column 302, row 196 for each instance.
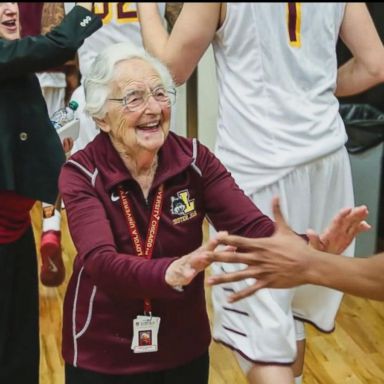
column 353, row 354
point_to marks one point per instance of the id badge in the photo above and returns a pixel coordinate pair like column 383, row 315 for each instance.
column 145, row 332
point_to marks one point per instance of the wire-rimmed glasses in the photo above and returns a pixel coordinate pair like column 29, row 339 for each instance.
column 137, row 99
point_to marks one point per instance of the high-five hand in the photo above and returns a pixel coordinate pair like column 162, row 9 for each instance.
column 282, row 260
column 344, row 227
column 183, row 270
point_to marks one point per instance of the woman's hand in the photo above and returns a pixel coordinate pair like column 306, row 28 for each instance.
column 183, row 270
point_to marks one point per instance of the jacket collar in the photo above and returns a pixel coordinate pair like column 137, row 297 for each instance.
column 174, row 157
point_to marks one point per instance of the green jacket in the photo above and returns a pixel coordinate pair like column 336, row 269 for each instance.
column 31, row 154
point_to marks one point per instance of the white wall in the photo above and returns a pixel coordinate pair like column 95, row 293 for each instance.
column 179, row 119
column 207, row 103
column 207, row 99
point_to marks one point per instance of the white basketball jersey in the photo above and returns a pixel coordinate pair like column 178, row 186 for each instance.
column 120, row 23
column 276, row 72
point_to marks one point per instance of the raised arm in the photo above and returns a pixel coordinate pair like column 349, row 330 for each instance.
column 52, row 15
column 366, row 68
column 191, row 35
column 38, row 53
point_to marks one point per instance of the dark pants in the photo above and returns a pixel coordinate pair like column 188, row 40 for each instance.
column 195, row 372
column 19, row 312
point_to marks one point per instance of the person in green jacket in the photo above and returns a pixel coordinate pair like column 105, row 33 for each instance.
column 31, row 156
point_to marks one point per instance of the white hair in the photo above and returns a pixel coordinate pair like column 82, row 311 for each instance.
column 97, row 84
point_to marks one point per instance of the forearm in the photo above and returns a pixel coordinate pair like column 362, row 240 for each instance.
column 362, row 277
column 192, row 33
column 353, row 77
column 154, row 34
column 366, row 68
column 125, row 277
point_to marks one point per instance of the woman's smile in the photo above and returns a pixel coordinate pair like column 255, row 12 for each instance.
column 149, row 127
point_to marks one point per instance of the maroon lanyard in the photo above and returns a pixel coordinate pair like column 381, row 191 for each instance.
column 151, row 232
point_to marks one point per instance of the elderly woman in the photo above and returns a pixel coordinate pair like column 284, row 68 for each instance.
column 136, row 198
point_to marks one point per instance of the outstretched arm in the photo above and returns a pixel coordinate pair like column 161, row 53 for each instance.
column 286, row 260
column 183, row 270
column 192, row 33
column 39, row 53
column 366, row 68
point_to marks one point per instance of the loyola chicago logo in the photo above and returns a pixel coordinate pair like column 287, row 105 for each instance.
column 182, row 206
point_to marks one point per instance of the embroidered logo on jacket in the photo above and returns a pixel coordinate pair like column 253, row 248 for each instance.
column 85, row 21
column 182, row 206
column 114, row 197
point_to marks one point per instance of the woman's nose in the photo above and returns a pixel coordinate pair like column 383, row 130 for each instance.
column 153, row 105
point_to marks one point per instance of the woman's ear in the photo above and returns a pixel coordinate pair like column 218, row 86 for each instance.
column 102, row 124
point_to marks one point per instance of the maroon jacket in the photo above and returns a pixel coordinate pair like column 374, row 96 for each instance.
column 109, row 281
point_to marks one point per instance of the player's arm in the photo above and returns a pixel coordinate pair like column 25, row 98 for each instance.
column 357, row 276
column 285, row 260
column 191, row 35
column 366, row 68
column 276, row 266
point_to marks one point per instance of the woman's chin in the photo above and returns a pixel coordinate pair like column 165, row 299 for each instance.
column 150, row 139
column 151, row 143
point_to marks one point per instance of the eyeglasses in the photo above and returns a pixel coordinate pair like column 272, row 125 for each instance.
column 137, row 99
